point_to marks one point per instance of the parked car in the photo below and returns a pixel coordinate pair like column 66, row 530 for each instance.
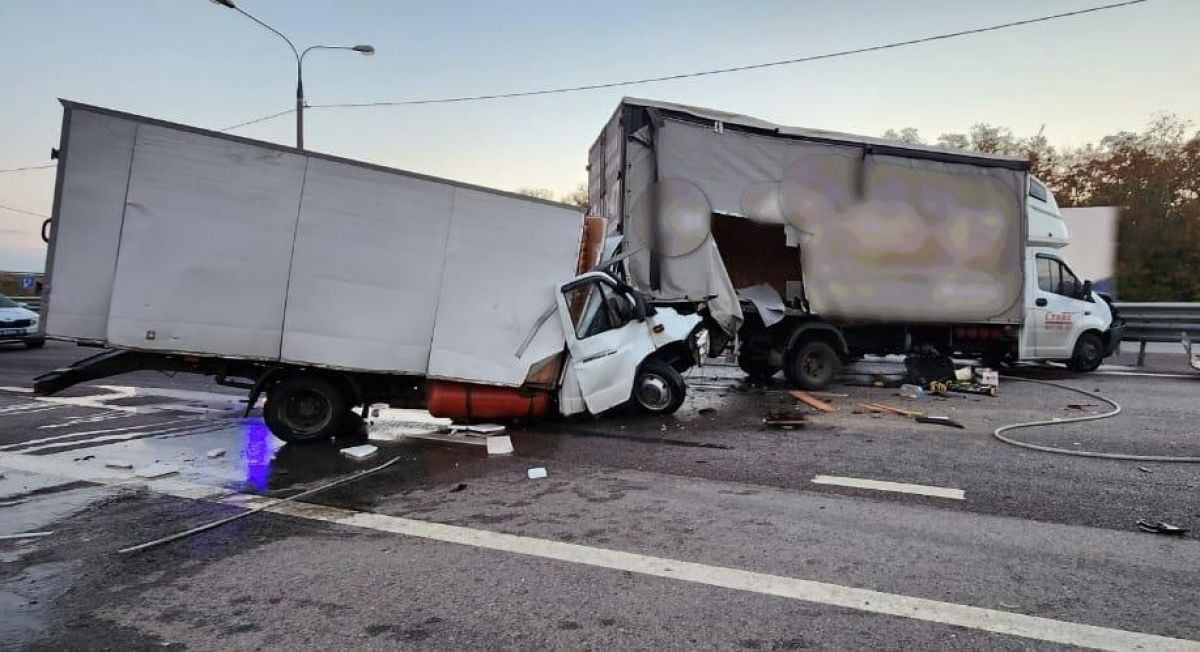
column 19, row 324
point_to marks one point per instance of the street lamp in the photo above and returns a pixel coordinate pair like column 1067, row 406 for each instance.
column 365, row 50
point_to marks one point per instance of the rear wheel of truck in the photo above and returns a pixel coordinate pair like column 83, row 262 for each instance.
column 658, row 389
column 304, row 409
column 812, row 366
column 1089, row 353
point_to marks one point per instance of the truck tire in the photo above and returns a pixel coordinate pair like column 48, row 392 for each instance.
column 1089, row 353
column 812, row 366
column 305, row 409
column 658, row 388
column 754, row 358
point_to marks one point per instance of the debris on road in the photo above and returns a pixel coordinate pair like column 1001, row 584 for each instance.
column 119, row 464
column 812, row 401
column 25, row 535
column 912, row 391
column 536, row 472
column 501, row 445
column 156, row 470
column 829, row 395
column 937, row 420
column 919, row 417
column 361, row 453
column 481, row 428
column 459, row 487
column 785, row 420
column 1144, row 469
column 85, row 458
column 215, row 453
column 1161, row 528
column 941, row 387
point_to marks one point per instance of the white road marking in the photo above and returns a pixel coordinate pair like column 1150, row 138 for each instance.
column 35, row 442
column 17, row 390
column 899, row 487
column 866, row 600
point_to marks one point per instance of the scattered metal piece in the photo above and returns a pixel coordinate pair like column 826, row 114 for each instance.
column 1159, row 527
column 941, row 421
column 1144, row 469
column 24, row 535
column 536, row 472
column 215, row 453
column 118, row 464
column 156, row 470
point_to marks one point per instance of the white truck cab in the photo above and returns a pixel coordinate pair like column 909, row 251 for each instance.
column 1064, row 319
column 623, row 349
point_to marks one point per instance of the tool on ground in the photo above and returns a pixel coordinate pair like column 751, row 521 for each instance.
column 961, row 387
column 1159, row 527
column 919, row 417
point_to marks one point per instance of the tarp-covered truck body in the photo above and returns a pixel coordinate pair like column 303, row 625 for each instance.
column 250, row 257
column 868, row 244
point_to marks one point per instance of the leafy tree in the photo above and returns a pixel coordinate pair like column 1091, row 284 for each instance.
column 539, row 193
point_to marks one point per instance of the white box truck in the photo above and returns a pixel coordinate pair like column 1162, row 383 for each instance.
column 327, row 283
column 811, row 248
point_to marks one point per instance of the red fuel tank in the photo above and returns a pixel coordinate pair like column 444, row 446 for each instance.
column 484, row 402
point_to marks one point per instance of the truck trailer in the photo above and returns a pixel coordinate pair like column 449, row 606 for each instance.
column 327, row 284
column 812, row 248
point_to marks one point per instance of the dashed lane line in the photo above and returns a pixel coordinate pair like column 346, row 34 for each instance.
column 898, row 487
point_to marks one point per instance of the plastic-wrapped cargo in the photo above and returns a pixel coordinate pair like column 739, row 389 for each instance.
column 855, row 229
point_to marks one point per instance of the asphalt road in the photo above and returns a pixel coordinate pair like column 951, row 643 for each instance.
column 705, row 530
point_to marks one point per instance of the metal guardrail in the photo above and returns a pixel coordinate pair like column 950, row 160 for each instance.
column 1159, row 322
column 34, row 303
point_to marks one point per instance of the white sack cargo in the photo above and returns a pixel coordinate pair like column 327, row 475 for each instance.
column 883, row 231
column 175, row 239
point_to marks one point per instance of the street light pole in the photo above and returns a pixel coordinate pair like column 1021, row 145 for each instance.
column 361, row 49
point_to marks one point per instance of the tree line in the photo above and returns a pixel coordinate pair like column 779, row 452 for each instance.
column 1152, row 175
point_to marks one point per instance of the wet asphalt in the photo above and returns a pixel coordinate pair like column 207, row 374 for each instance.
column 1038, row 534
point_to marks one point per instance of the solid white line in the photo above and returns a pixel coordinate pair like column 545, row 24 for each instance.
column 865, row 600
column 899, row 487
column 58, row 438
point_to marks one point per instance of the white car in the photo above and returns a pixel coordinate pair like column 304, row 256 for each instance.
column 19, row 324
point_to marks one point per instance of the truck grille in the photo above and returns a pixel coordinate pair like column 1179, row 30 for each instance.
column 17, row 323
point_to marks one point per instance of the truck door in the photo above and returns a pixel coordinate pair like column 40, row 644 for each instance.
column 1057, row 310
column 607, row 337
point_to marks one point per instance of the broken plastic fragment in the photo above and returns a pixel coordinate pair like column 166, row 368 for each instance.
column 501, row 445
column 537, row 472
column 360, row 453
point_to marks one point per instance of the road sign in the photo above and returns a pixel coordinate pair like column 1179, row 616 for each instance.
column 27, row 282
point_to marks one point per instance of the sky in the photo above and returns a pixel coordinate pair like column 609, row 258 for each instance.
column 198, row 63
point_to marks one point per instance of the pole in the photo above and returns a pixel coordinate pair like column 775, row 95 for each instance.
column 299, row 105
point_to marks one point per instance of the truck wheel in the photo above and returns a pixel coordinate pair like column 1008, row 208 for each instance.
column 754, row 358
column 1089, row 353
column 658, row 389
column 812, row 366
column 304, row 409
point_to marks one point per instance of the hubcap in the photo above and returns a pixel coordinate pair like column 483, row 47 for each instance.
column 307, row 411
column 653, row 392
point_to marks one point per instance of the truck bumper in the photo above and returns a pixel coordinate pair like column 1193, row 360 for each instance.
column 1114, row 339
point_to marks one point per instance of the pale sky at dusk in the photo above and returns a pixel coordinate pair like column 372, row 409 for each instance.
column 192, row 61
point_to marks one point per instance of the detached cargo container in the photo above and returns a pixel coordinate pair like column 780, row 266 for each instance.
column 328, row 283
column 813, row 247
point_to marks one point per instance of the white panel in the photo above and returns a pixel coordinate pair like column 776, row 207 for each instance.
column 88, row 224
column 504, row 259
column 206, row 245
column 364, row 286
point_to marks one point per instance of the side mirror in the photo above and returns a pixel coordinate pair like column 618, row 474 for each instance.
column 1086, row 292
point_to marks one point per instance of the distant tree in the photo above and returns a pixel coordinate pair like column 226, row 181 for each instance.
column 578, row 196
column 540, row 193
column 905, row 135
column 1153, row 176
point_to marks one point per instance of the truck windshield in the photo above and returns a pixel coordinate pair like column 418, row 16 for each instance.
column 596, row 309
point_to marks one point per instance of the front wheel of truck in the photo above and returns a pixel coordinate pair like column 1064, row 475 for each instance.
column 305, row 409
column 1089, row 353
column 658, row 389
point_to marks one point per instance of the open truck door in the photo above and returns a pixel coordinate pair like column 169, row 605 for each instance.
column 607, row 336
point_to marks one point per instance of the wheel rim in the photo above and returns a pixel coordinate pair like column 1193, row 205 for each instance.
column 814, row 365
column 653, row 392
column 306, row 412
column 1090, row 353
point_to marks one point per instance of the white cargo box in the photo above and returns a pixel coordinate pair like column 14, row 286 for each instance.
column 175, row 239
